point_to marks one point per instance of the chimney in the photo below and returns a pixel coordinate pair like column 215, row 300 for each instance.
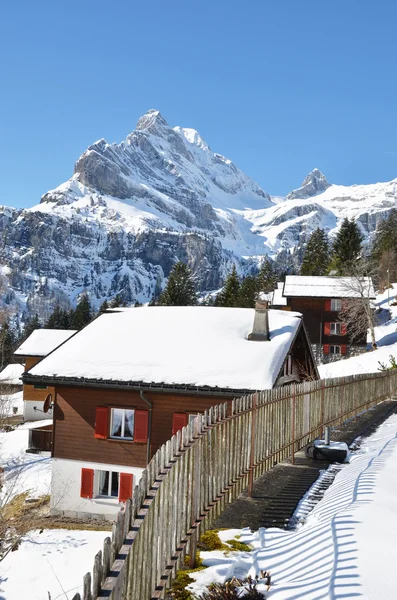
column 260, row 331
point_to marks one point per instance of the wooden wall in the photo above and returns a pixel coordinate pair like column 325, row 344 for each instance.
column 74, row 423
column 314, row 317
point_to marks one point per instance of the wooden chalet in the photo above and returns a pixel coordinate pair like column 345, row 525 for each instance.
column 134, row 376
column 36, row 347
column 320, row 300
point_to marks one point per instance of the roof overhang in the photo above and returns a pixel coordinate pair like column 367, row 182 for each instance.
column 161, row 388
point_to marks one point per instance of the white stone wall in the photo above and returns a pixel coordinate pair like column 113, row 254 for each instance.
column 33, row 411
column 66, row 486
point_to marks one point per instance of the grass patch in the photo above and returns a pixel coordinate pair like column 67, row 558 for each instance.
column 236, row 545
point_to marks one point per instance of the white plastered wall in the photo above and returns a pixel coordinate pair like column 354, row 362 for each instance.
column 66, row 486
column 33, row 411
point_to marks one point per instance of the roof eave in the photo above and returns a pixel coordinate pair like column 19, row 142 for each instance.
column 135, row 386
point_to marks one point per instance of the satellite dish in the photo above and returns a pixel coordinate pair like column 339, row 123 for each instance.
column 47, row 406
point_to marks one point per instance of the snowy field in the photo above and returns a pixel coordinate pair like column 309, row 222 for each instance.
column 346, row 546
column 386, row 338
column 54, row 562
column 23, row 472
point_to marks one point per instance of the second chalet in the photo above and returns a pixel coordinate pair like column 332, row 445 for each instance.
column 320, row 300
column 134, row 376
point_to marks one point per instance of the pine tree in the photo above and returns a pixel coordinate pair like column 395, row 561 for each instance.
column 347, row 247
column 229, row 295
column 248, row 292
column 117, row 301
column 317, row 254
column 384, row 250
column 7, row 344
column 386, row 235
column 180, row 289
column 59, row 319
column 104, row 307
column 267, row 278
column 31, row 325
column 82, row 314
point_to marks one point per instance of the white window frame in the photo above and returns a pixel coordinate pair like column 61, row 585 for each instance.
column 335, row 346
column 122, row 436
column 335, row 326
column 97, row 483
column 336, row 304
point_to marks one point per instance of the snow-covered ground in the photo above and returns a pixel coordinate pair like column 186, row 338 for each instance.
column 346, row 546
column 54, row 562
column 23, row 472
column 386, row 338
column 13, row 404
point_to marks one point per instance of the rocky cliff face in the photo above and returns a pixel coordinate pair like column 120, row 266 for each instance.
column 132, row 209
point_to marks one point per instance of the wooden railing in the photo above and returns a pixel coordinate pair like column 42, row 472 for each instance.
column 191, row 479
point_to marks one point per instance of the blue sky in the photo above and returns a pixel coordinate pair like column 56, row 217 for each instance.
column 278, row 86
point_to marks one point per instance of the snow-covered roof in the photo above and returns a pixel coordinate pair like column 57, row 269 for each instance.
column 11, row 374
column 328, row 287
column 43, row 341
column 278, row 298
column 191, row 345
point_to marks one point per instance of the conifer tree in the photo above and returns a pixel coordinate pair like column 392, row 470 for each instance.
column 82, row 314
column 31, row 325
column 229, row 295
column 384, row 250
column 248, row 292
column 317, row 254
column 347, row 247
column 59, row 319
column 180, row 289
column 117, row 301
column 7, row 344
column 104, row 307
column 386, row 235
column 267, row 278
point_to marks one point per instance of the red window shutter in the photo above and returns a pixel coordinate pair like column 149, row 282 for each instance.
column 327, row 328
column 343, row 329
column 141, row 426
column 327, row 305
column 343, row 349
column 326, row 348
column 101, row 422
column 179, row 420
column 87, row 483
column 125, row 486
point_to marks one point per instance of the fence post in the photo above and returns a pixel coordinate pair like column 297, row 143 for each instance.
column 253, row 442
column 293, row 397
column 195, row 495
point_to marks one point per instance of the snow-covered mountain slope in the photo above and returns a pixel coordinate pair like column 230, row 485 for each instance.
column 132, row 209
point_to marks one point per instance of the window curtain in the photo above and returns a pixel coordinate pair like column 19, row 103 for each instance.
column 117, row 419
column 129, row 424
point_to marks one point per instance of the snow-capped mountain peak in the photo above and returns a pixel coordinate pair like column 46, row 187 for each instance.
column 314, row 183
column 132, row 209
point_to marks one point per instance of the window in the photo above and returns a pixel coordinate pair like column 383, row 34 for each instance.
column 334, row 350
column 335, row 328
column 192, row 416
column 288, row 366
column 108, row 483
column 38, row 386
column 122, row 423
column 336, row 304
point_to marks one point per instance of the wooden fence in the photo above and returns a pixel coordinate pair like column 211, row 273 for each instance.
column 191, row 479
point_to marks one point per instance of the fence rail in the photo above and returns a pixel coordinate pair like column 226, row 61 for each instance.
column 192, row 477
